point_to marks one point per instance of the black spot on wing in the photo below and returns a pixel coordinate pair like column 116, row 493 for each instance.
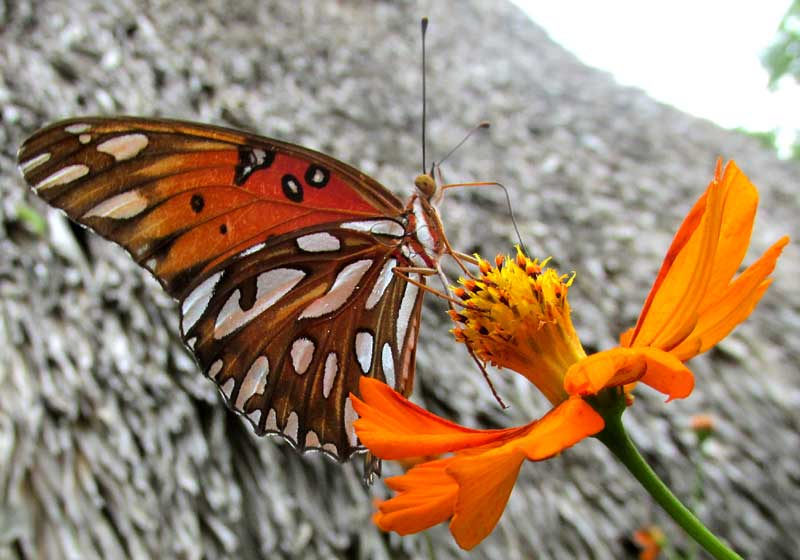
column 197, row 203
column 292, row 188
column 317, row 176
column 250, row 161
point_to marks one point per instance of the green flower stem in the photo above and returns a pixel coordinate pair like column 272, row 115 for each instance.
column 616, row 439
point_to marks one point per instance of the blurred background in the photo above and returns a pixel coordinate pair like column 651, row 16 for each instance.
column 733, row 63
column 113, row 445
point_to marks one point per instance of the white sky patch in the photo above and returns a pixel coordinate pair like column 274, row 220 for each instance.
column 701, row 57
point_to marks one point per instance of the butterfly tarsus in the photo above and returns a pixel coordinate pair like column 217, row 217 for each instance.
column 402, row 272
column 451, row 302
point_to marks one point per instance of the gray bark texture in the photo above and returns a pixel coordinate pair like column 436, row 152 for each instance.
column 113, row 445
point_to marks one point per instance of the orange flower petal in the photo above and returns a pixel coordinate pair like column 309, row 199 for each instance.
column 426, row 497
column 394, row 428
column 704, row 255
column 741, row 202
column 473, row 486
column 485, row 480
column 673, row 313
column 684, row 234
column 732, row 305
column 667, row 374
column 621, row 366
column 485, row 483
column 562, row 427
column 594, row 373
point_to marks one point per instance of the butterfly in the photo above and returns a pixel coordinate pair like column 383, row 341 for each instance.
column 284, row 260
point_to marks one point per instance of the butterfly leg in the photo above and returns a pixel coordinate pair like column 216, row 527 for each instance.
column 402, row 272
column 478, row 362
column 451, row 302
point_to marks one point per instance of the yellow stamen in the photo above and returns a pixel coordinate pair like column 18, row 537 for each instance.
column 517, row 316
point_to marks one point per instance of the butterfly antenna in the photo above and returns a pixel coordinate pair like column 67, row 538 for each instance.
column 483, row 125
column 424, row 91
column 513, row 218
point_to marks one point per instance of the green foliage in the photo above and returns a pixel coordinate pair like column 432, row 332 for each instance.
column 32, row 219
column 782, row 58
column 768, row 138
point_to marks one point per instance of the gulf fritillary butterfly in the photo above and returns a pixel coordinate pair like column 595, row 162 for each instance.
column 283, row 259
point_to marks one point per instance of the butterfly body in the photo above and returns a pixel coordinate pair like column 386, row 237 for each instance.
column 283, row 259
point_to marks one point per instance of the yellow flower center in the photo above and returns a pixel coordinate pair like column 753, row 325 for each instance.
column 516, row 316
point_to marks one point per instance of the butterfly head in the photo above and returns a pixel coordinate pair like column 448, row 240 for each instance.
column 428, row 189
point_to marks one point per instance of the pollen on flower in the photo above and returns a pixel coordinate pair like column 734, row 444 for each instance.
column 516, row 316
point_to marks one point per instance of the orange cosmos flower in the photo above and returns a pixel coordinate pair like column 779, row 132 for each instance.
column 516, row 315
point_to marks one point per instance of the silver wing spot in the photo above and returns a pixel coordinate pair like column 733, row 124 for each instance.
column 290, row 430
column 345, row 284
column 331, row 369
column 33, row 163
column 363, row 349
column 197, row 301
column 406, row 307
column 124, row 147
column 384, row 279
column 302, row 353
column 350, row 417
column 120, row 207
column 63, row 176
column 387, row 361
column 254, row 381
column 318, row 243
column 271, row 286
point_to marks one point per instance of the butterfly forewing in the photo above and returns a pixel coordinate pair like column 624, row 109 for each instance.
column 280, row 256
column 182, row 198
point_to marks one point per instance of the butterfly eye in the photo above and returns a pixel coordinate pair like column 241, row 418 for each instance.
column 426, row 186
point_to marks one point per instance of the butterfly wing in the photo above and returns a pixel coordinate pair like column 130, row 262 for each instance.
column 280, row 256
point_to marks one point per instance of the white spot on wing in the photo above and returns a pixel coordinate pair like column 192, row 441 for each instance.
column 215, row 368
column 272, row 421
column 290, row 429
column 254, row 381
column 331, row 369
column 77, row 128
column 250, row 250
column 124, row 147
column 350, row 416
column 406, row 307
column 196, row 302
column 312, row 439
column 255, row 416
column 364, row 350
column 191, row 342
column 302, row 353
column 346, row 282
column 331, row 448
column 318, row 242
column 85, row 138
column 63, row 176
column 382, row 227
column 384, row 279
column 423, row 232
column 33, row 163
column 387, row 361
column 227, row 387
column 119, row 207
column 270, row 287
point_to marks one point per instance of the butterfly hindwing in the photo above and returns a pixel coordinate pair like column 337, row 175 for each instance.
column 281, row 258
column 286, row 334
